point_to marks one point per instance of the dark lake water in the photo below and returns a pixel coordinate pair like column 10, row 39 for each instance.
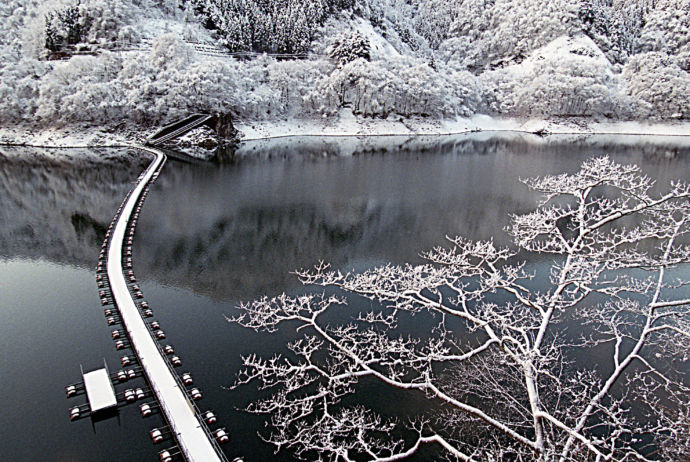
column 212, row 235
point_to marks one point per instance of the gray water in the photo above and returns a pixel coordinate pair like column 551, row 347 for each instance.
column 212, row 235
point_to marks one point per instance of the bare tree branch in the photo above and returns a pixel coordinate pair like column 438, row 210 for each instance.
column 511, row 372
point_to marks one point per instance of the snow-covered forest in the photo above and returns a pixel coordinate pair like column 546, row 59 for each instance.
column 138, row 63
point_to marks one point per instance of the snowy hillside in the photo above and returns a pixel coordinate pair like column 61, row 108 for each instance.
column 134, row 64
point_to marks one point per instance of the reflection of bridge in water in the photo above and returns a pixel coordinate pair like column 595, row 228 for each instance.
column 187, row 425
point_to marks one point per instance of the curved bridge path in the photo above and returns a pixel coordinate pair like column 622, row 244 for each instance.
column 186, row 425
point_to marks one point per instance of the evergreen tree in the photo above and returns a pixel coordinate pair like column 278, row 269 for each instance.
column 346, row 49
column 283, row 26
column 65, row 26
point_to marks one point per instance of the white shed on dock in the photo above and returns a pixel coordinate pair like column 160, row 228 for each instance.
column 99, row 390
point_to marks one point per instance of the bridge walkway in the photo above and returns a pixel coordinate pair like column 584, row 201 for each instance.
column 179, row 128
column 187, row 427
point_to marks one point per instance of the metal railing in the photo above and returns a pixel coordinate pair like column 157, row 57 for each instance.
column 202, row 48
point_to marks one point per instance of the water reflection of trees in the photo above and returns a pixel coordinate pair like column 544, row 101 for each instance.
column 56, row 207
column 356, row 214
column 239, row 230
column 654, row 149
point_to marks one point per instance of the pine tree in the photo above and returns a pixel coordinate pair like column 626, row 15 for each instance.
column 52, row 41
column 284, row 26
column 346, row 49
column 64, row 27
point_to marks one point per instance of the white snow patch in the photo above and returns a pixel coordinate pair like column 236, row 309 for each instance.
column 189, row 31
column 565, row 46
column 347, row 124
column 380, row 47
column 72, row 138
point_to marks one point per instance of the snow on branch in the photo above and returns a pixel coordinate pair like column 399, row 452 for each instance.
column 501, row 365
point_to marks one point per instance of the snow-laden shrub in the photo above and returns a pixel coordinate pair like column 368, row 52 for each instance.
column 171, row 81
column 225, row 87
column 82, row 90
column 403, row 86
column 293, row 81
column 108, row 89
column 568, row 77
column 170, row 51
column 368, row 87
column 659, row 83
column 19, row 90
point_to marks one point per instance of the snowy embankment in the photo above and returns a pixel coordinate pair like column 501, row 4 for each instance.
column 67, row 138
column 347, row 124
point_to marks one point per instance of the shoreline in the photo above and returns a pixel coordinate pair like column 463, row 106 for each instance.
column 348, row 125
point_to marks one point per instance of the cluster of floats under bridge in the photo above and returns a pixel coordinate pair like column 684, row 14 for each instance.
column 191, row 434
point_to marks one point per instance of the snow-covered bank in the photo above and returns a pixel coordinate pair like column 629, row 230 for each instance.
column 347, row 124
column 69, row 137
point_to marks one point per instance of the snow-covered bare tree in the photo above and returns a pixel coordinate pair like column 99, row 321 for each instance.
column 583, row 358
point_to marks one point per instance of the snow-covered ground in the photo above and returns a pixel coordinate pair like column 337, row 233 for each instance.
column 72, row 137
column 347, row 124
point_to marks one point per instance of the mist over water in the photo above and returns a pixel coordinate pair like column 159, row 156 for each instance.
column 211, row 235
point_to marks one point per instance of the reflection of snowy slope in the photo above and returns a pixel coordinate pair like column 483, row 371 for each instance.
column 262, row 219
column 58, row 209
column 241, row 229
